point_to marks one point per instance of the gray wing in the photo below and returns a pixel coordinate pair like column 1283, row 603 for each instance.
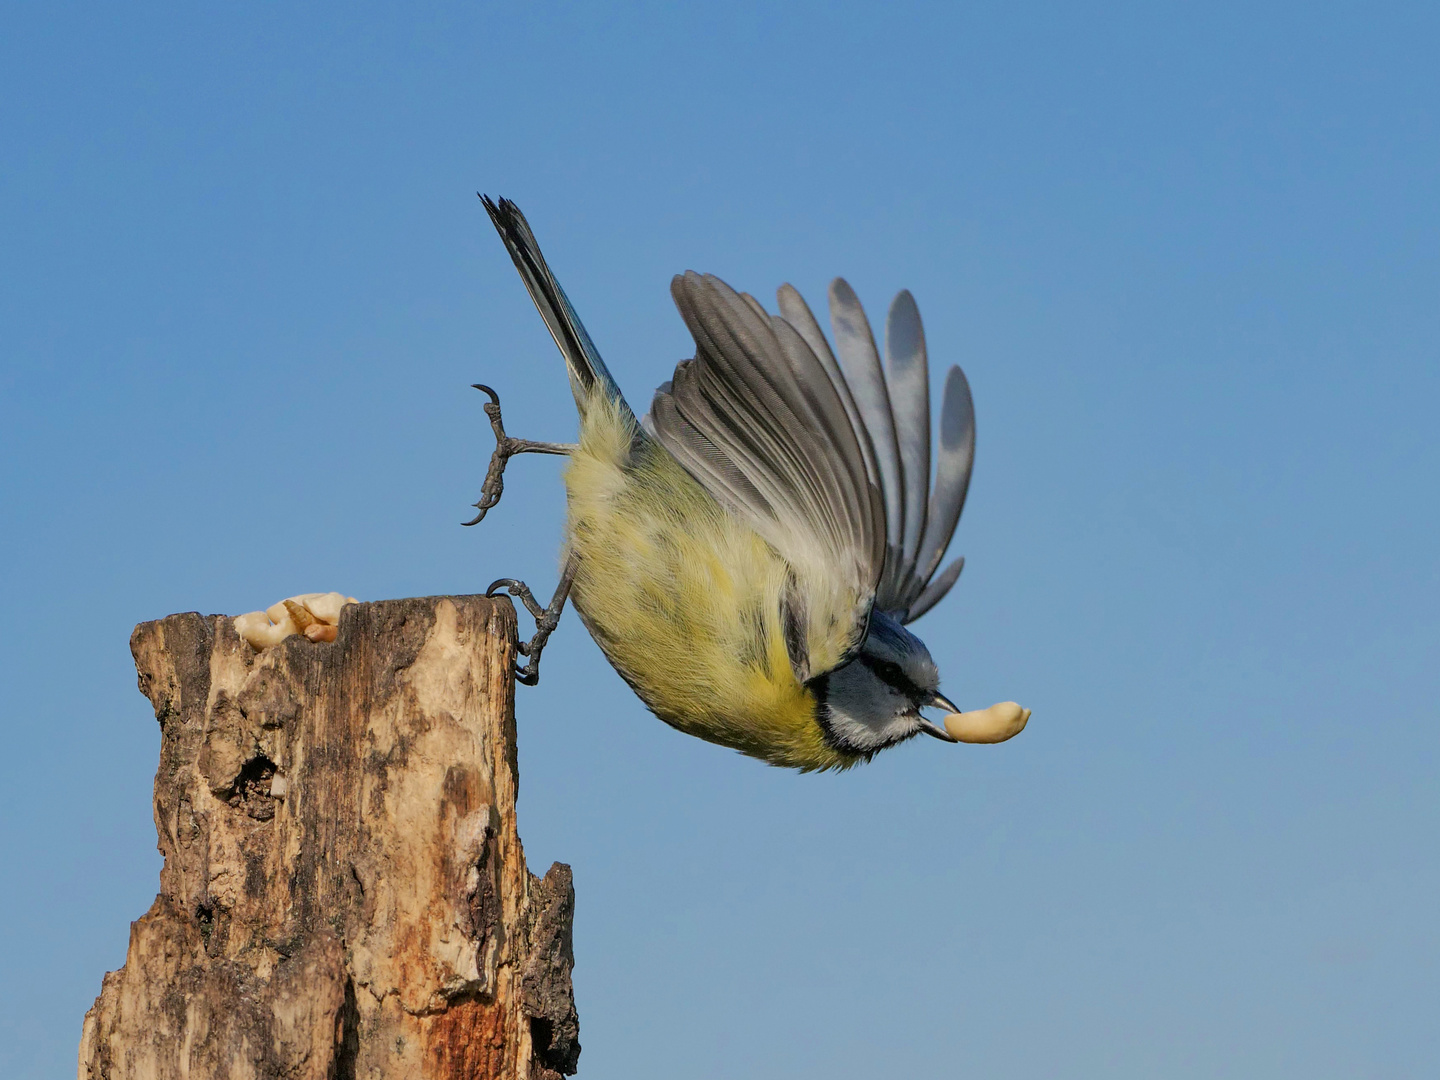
column 760, row 422
column 827, row 460
column 952, row 482
column 860, row 363
column 890, row 409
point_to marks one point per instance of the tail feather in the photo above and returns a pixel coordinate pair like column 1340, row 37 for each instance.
column 582, row 359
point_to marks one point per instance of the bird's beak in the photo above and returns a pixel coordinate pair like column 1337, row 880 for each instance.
column 940, row 701
column 936, row 731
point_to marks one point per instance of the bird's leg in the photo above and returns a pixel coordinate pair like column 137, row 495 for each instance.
column 546, row 618
column 506, row 447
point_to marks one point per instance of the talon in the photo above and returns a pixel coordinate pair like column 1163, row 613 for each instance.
column 506, row 447
column 546, row 618
column 518, row 589
column 494, row 485
column 504, row 583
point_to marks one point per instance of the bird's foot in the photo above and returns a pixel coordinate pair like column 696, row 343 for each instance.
column 506, row 447
column 546, row 619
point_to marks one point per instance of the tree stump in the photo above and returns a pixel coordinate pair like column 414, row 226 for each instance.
column 344, row 895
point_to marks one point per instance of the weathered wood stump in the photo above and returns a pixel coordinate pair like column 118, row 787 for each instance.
column 344, row 893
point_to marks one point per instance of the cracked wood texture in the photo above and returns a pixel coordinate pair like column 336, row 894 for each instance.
column 344, row 895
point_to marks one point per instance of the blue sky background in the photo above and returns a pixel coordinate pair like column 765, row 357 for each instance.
column 1188, row 255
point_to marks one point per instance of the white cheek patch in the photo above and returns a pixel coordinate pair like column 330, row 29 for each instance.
column 866, row 713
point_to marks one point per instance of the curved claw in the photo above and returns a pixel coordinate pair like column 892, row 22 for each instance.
column 546, row 618
column 506, row 447
column 494, row 485
column 520, row 589
column 483, row 507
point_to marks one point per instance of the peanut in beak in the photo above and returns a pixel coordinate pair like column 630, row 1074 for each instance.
column 995, row 724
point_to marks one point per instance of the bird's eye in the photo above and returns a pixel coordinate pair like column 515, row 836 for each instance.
column 890, row 671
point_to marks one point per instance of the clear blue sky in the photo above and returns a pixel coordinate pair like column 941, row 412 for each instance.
column 1188, row 256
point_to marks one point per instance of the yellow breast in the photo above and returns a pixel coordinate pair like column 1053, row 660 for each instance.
column 684, row 599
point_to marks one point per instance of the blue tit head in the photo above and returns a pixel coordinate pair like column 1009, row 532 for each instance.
column 874, row 700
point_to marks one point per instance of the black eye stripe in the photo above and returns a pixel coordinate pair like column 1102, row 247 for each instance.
column 891, row 673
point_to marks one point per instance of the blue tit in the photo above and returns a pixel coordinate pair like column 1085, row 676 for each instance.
column 749, row 554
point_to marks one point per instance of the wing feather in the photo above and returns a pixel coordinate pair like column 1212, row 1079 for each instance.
column 771, row 409
column 860, row 363
column 769, row 414
column 828, row 460
column 755, row 305
column 907, row 375
column 936, row 590
column 952, row 472
column 797, row 313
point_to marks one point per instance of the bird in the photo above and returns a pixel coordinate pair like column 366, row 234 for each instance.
column 749, row 553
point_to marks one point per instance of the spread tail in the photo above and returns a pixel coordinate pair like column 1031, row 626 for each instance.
column 581, row 357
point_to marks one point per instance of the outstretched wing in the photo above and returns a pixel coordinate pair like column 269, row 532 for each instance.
column 891, row 411
column 829, row 461
column 758, row 420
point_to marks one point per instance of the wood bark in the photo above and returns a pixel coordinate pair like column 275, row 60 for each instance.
column 344, row 894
